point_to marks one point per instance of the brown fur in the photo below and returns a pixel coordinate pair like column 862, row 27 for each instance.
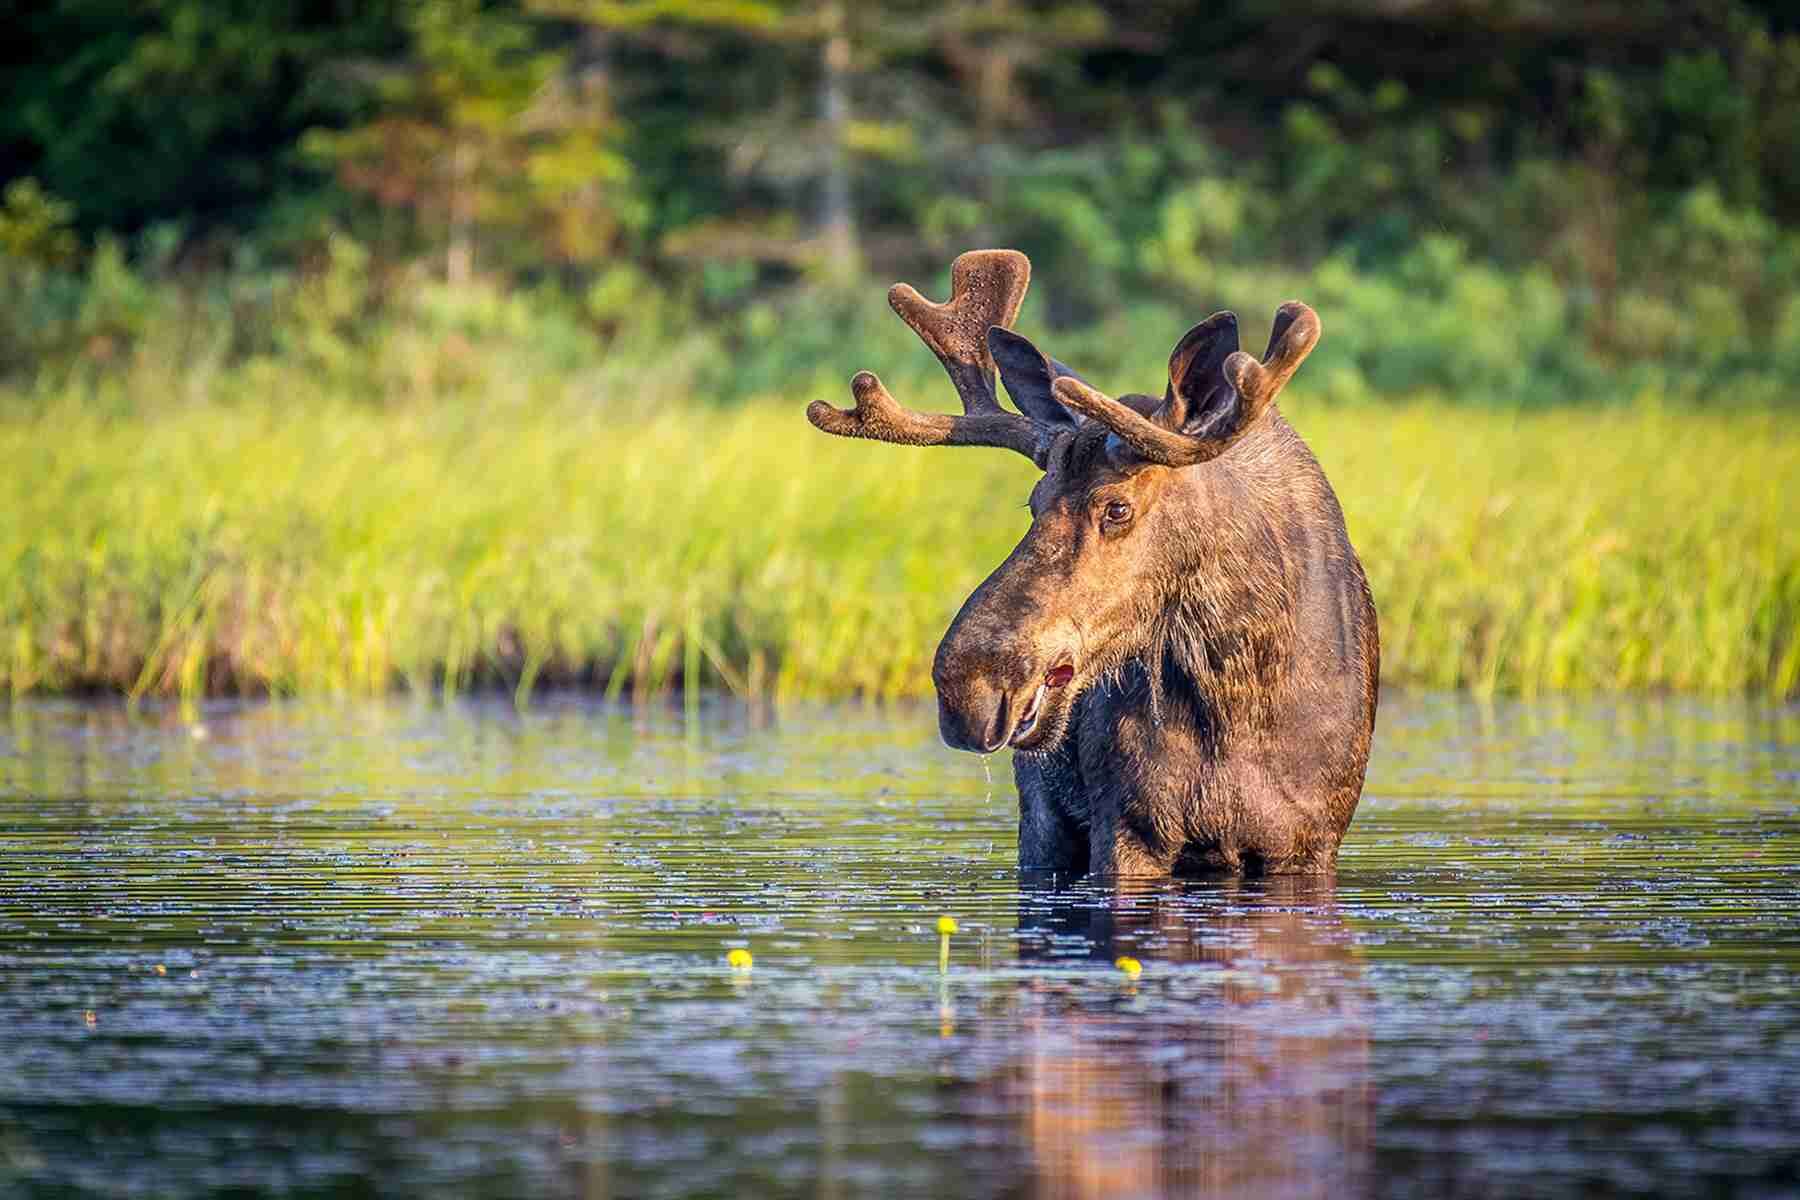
column 1225, row 690
column 1220, row 634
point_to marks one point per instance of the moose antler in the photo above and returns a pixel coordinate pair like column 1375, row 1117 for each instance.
column 1159, row 438
column 986, row 289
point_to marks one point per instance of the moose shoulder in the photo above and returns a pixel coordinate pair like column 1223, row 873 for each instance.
column 1182, row 650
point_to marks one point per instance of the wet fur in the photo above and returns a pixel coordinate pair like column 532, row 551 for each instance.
column 1219, row 634
column 1235, row 738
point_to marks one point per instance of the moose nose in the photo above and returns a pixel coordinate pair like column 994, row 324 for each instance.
column 974, row 717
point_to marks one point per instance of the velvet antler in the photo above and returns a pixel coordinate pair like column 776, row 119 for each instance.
column 986, row 289
column 1198, row 421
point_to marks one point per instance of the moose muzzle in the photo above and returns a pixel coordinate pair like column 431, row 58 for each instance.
column 993, row 689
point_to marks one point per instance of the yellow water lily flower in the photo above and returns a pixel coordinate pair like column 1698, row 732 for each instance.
column 739, row 960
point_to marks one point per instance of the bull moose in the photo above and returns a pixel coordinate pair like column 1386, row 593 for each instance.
column 1182, row 650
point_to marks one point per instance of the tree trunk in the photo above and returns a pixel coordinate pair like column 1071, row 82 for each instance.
column 837, row 214
column 459, row 257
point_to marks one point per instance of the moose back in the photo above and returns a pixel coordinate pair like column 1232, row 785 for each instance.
column 1182, row 650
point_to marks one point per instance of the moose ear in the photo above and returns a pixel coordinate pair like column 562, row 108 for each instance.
column 1028, row 374
column 1201, row 401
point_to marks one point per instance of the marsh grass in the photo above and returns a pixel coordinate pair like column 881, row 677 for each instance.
column 301, row 543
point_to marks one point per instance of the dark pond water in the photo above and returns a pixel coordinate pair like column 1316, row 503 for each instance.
column 409, row 950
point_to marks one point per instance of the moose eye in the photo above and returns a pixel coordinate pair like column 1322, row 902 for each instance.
column 1116, row 513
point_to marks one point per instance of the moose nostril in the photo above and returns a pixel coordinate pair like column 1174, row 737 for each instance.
column 994, row 736
column 975, row 717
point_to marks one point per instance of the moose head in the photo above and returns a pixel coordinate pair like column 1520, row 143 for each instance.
column 1127, row 516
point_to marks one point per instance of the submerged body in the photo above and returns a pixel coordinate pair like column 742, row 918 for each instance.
column 1182, row 651
column 1238, row 741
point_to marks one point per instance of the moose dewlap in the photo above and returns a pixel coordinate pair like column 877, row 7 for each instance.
column 1182, row 651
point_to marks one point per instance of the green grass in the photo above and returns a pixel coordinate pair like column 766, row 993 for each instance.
column 296, row 543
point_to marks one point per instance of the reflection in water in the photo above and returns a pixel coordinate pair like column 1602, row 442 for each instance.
column 455, row 950
column 1258, row 1085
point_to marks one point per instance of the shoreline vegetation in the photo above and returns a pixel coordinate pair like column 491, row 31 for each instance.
column 275, row 537
column 456, row 344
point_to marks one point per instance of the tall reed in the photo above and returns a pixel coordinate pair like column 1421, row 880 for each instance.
column 299, row 541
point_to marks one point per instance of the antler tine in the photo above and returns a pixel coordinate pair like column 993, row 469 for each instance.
column 879, row 417
column 1151, row 440
column 986, row 289
column 1295, row 333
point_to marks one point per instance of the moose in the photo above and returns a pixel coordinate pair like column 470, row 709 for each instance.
column 1182, row 651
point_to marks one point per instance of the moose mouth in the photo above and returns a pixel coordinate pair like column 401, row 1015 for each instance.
column 1055, row 679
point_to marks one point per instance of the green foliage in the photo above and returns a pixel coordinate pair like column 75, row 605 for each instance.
column 645, row 169
column 332, row 307
column 35, row 226
column 38, row 296
column 483, row 136
column 161, row 110
column 1435, row 321
column 284, row 536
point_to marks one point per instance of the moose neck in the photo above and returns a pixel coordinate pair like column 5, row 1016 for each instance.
column 1228, row 640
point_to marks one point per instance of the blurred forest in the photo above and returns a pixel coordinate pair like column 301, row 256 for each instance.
column 1500, row 200
column 356, row 344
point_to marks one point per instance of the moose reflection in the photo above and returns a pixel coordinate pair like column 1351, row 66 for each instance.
column 1237, row 1066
